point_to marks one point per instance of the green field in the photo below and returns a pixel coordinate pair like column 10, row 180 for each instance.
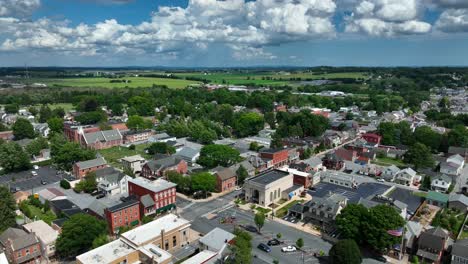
column 99, row 82
column 112, row 155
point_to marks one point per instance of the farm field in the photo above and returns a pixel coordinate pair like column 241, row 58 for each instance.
column 100, row 82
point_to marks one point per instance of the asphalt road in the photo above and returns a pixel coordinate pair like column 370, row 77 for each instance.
column 25, row 181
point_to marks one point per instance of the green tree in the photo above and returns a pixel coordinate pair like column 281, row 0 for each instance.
column 136, row 122
column 300, row 243
column 351, row 221
column 184, row 184
column 88, row 104
column 214, row 155
column 3, row 127
column 248, row 124
column 69, row 153
column 55, row 124
column 160, row 147
column 241, row 248
column 13, row 157
column 259, row 220
column 7, row 209
column 306, row 153
column 35, row 147
column 279, row 236
column 345, row 252
column 88, row 118
column 241, row 174
column 45, row 113
column 381, row 219
column 78, row 234
column 428, row 137
column 12, row 108
column 65, row 184
column 203, row 181
column 142, row 106
column 270, row 119
column 420, row 156
column 22, row 128
column 254, row 146
column 100, row 241
column 387, row 131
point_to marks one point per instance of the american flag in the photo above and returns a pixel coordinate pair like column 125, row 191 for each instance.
column 395, row 232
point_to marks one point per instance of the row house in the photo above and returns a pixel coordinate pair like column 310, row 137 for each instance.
column 333, row 162
column 102, row 139
column 155, row 196
column 279, row 157
column 21, row 247
column 372, row 138
column 163, row 163
column 80, row 169
column 46, row 235
column 226, row 180
column 125, row 214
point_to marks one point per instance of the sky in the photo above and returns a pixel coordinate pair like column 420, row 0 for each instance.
column 233, row 33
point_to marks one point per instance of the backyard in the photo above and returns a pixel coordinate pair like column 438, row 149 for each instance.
column 34, row 210
column 112, row 155
column 449, row 219
column 385, row 161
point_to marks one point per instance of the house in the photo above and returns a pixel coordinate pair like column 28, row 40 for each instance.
column 96, row 208
column 126, row 213
column 163, row 163
column 226, row 180
column 44, row 154
column 345, row 154
column 260, row 164
column 412, row 232
column 458, row 201
column 161, row 137
column 370, row 170
column 64, row 207
column 375, row 200
column 441, row 183
column 271, row 186
column 102, row 139
column 46, row 235
column 406, row 177
column 111, row 181
column 218, row 241
column 390, row 172
column 247, row 166
column 437, row 199
column 189, row 154
column 333, row 162
column 155, row 196
column 21, row 247
column 372, row 138
column 453, row 165
column 279, row 157
column 42, row 129
column 133, row 163
column 299, row 177
column 431, row 245
column 80, row 169
column 315, row 163
column 133, row 136
column 458, row 150
column 50, row 194
column 460, row 252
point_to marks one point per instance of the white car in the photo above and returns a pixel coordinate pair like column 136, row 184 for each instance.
column 238, row 188
column 35, row 167
column 288, row 249
column 381, row 180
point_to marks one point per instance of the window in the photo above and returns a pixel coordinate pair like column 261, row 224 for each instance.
column 19, row 254
column 27, row 251
column 174, row 241
column 271, row 196
column 166, row 245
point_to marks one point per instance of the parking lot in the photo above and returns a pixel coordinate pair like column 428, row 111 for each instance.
column 25, row 180
column 364, row 190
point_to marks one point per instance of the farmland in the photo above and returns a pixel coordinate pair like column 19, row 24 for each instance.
column 99, row 82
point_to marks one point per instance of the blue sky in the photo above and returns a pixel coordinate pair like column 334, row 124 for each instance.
column 233, row 32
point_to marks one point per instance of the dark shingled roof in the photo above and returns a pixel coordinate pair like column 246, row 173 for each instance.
column 19, row 238
column 269, row 177
column 433, row 238
column 123, row 205
column 226, row 174
column 460, row 248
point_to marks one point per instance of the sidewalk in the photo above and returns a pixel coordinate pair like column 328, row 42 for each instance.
column 213, row 196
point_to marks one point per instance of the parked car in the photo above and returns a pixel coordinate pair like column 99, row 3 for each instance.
column 15, row 189
column 95, row 192
column 35, row 167
column 288, row 249
column 43, row 182
column 101, row 195
column 274, row 242
column 251, row 228
column 381, row 258
column 264, row 247
column 34, row 173
column 380, row 180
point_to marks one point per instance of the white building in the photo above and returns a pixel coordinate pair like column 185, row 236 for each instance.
column 46, row 234
column 133, row 163
column 453, row 165
column 441, row 183
column 407, row 177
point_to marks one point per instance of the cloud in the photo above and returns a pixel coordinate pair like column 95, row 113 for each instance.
column 387, row 18
column 18, row 8
column 449, row 3
column 453, row 20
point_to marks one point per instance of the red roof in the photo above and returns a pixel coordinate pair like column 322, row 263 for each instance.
column 345, row 154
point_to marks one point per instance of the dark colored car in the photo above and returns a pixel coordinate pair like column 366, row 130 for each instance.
column 252, row 229
column 264, row 247
column 274, row 242
column 101, row 195
column 15, row 189
column 43, row 182
column 381, row 259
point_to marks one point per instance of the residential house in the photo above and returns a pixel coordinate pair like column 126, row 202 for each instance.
column 46, row 235
column 375, row 200
column 453, row 165
column 42, row 129
column 372, row 138
column 64, row 207
column 50, row 194
column 133, row 163
column 431, row 245
column 247, row 166
column 458, row 201
column 124, row 214
column 458, row 150
column 345, row 154
column 21, row 247
column 161, row 164
column 217, row 241
column 412, row 232
column 441, row 183
column 96, row 208
column 437, row 199
column 155, row 196
column 102, row 139
column 111, row 181
column 390, row 172
column 133, row 136
column 315, row 163
column 226, row 180
column 293, row 155
column 333, row 162
column 80, row 169
column 406, row 177
column 189, row 154
column 161, row 137
column 302, row 166
column 370, row 170
column 460, row 252
column 260, row 164
column 279, row 157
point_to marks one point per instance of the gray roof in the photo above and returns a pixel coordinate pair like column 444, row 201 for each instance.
column 19, row 238
column 392, row 169
column 459, row 198
column 147, row 201
column 413, row 229
column 225, row 174
column 154, row 186
column 109, row 174
column 460, row 248
column 458, row 150
column 91, row 163
column 313, row 161
column 130, row 201
column 187, row 152
column 216, row 238
column 164, row 162
column 245, row 163
column 102, row 136
column 269, row 177
column 433, row 238
column 97, row 207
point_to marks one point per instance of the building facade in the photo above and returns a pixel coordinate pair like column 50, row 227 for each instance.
column 154, row 196
column 125, row 214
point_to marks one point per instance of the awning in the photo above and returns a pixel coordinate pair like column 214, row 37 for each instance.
column 165, row 208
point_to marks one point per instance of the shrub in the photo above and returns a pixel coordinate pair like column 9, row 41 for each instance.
column 65, row 184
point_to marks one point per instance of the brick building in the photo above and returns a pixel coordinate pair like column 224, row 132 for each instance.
column 80, row 169
column 102, row 139
column 155, row 196
column 226, row 180
column 137, row 136
column 126, row 213
column 278, row 157
column 163, row 163
column 74, row 130
column 372, row 138
column 333, row 162
column 21, row 247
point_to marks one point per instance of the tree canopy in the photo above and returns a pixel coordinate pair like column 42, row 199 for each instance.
column 160, row 147
column 248, row 124
column 136, row 122
column 69, row 153
column 22, row 128
column 420, row 156
column 345, row 252
column 242, row 247
column 7, row 209
column 203, row 181
column 13, row 157
column 214, row 155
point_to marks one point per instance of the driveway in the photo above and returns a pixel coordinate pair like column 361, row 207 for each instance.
column 25, row 181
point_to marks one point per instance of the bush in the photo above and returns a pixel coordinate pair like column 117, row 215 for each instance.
column 65, row 184
column 131, row 147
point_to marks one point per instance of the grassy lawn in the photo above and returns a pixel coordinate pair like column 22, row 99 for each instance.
column 464, row 234
column 112, row 155
column 449, row 219
column 37, row 213
column 65, row 106
column 390, row 161
column 284, row 210
column 105, row 82
column 420, row 194
column 263, row 210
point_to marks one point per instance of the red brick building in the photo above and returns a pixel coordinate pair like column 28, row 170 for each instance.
column 102, row 139
column 226, row 180
column 332, row 162
column 136, row 136
column 126, row 213
column 21, row 247
column 80, row 169
column 74, row 130
column 372, row 138
column 163, row 163
column 345, row 154
column 155, row 196
column 279, row 157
